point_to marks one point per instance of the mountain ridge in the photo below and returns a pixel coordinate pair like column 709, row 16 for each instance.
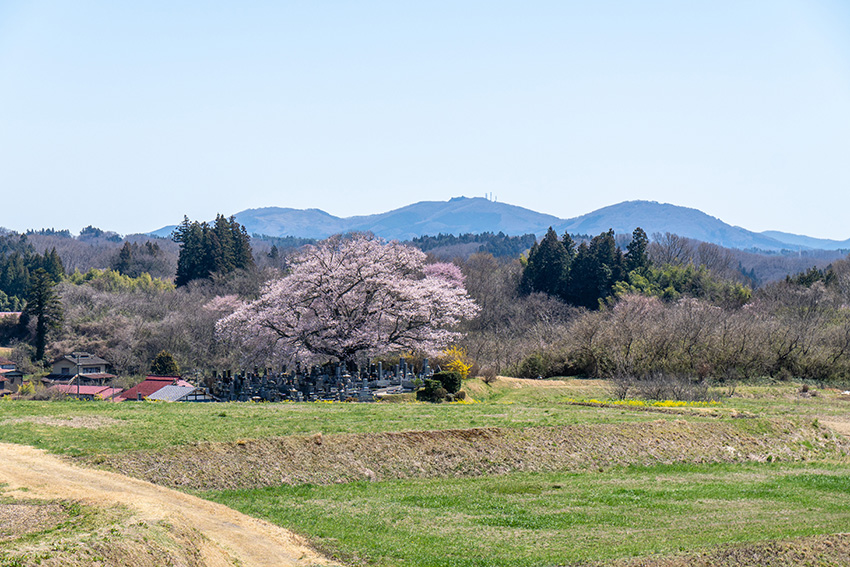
column 461, row 215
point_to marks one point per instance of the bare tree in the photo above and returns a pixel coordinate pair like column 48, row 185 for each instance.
column 669, row 248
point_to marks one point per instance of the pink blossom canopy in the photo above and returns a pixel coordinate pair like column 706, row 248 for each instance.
column 351, row 295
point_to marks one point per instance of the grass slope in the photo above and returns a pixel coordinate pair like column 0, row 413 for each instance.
column 67, row 534
column 329, row 459
column 95, row 428
column 551, row 519
column 582, row 505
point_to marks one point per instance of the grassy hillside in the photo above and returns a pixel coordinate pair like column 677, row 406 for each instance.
column 559, row 518
column 531, row 473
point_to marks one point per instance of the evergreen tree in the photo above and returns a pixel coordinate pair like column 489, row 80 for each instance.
column 548, row 266
column 637, row 257
column 164, row 365
column 569, row 245
column 582, row 290
column 242, row 254
column 193, row 261
column 221, row 248
column 15, row 276
column 7, row 303
column 44, row 305
column 609, row 264
column 123, row 262
column 596, row 268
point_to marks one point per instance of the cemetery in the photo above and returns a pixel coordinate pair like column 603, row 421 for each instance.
column 330, row 382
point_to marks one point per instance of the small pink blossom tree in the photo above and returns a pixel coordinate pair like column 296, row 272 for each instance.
column 354, row 295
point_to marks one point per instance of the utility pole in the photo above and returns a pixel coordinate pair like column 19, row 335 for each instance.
column 77, row 377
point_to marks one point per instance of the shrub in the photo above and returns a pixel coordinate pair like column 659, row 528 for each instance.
column 488, row 375
column 451, row 381
column 543, row 365
column 432, row 392
column 27, row 389
column 456, row 359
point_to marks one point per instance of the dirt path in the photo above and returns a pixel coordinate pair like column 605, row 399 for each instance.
column 232, row 538
column 842, row 427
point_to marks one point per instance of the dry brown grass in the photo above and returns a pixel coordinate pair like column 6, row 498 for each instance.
column 20, row 518
column 569, row 384
column 473, row 452
column 119, row 543
column 76, row 422
column 829, row 550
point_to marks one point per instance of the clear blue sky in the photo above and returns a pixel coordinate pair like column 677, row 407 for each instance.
column 128, row 115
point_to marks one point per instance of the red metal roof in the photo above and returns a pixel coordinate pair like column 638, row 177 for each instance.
column 104, row 392
column 98, row 376
column 152, row 384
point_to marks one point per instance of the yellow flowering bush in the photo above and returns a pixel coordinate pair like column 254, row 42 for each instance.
column 456, row 359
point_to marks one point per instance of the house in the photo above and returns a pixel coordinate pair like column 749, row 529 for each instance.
column 79, row 367
column 10, row 377
column 6, row 365
column 87, row 392
column 181, row 394
column 151, row 385
column 7, row 386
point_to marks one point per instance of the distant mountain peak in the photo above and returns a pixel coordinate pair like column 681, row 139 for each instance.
column 461, row 214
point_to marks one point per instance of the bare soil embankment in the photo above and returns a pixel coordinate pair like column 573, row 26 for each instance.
column 324, row 459
column 207, row 533
column 817, row 551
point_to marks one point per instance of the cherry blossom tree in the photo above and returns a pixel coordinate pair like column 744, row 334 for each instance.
column 354, row 295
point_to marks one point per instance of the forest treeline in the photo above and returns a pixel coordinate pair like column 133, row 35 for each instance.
column 609, row 306
column 588, row 274
column 797, row 327
column 499, row 245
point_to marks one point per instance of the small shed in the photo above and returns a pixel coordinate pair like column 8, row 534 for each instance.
column 151, row 385
column 181, row 394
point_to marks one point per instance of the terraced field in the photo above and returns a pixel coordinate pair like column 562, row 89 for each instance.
column 531, row 473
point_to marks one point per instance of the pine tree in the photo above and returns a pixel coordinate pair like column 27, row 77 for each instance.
column 548, row 266
column 221, row 248
column 596, row 268
column 636, row 252
column 194, row 260
column 123, row 262
column 242, row 254
column 44, row 305
column 53, row 265
column 581, row 290
column 15, row 277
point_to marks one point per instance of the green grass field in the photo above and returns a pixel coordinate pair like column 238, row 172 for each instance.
column 518, row 518
column 129, row 426
column 552, row 519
